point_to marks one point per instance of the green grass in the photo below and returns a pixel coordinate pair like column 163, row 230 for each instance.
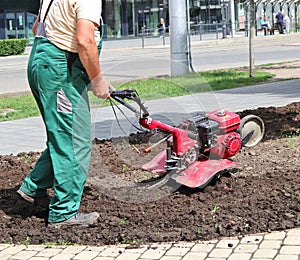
column 17, row 107
column 155, row 88
column 24, row 106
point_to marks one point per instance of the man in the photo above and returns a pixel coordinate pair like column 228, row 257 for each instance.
column 279, row 21
column 63, row 62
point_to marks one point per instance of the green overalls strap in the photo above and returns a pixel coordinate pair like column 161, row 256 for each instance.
column 60, row 90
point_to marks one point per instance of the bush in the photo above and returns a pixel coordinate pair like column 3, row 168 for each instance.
column 12, row 46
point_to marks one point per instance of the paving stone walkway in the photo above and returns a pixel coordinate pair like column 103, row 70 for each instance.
column 283, row 245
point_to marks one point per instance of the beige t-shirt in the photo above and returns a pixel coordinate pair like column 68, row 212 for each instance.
column 62, row 19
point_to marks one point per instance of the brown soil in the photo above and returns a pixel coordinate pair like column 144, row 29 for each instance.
column 261, row 194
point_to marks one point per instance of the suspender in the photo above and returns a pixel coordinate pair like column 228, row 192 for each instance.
column 47, row 11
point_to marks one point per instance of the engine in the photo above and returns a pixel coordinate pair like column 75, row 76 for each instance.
column 216, row 133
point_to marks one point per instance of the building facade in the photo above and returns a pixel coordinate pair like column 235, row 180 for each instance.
column 126, row 18
column 17, row 18
column 134, row 18
column 122, row 18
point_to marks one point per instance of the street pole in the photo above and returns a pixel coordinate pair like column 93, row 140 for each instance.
column 178, row 38
column 232, row 17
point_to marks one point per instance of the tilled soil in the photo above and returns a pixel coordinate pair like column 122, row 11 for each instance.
column 261, row 194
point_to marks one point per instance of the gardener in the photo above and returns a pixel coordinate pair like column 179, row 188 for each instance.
column 63, row 63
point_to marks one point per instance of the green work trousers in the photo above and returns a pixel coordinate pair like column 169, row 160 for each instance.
column 61, row 95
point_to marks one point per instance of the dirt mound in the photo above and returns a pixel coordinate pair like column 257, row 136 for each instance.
column 261, row 194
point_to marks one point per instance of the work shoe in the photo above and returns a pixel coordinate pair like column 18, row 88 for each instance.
column 39, row 201
column 79, row 219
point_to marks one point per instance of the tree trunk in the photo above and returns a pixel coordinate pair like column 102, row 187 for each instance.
column 251, row 38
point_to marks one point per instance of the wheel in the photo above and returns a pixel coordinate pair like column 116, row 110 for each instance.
column 251, row 124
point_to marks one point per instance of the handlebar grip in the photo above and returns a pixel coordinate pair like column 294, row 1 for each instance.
column 126, row 93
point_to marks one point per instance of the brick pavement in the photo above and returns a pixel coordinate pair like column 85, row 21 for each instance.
column 281, row 245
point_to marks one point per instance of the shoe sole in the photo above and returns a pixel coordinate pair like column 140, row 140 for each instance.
column 25, row 196
column 43, row 204
column 71, row 222
column 59, row 225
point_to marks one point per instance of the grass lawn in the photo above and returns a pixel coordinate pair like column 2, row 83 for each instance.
column 24, row 106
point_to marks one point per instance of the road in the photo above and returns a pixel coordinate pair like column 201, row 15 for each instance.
column 127, row 61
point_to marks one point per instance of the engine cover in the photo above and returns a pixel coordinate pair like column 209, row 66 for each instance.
column 227, row 120
column 228, row 145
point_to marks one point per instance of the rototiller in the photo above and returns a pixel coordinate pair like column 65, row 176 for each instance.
column 201, row 146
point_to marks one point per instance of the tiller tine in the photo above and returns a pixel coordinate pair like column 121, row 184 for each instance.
column 200, row 173
column 157, row 164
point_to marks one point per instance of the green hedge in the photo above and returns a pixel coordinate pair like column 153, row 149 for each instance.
column 12, row 46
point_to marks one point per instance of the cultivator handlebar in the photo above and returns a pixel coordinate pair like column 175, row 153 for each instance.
column 126, row 93
column 120, row 95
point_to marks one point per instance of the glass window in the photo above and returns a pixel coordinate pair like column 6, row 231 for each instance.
column 11, row 25
column 20, row 22
column 30, row 22
column 128, row 18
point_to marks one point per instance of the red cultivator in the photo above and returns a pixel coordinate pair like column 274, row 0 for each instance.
column 201, row 146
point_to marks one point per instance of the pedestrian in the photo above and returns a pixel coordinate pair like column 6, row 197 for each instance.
column 287, row 23
column 63, row 63
column 265, row 25
column 279, row 21
column 161, row 27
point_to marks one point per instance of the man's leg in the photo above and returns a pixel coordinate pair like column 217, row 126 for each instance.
column 69, row 133
column 40, row 178
column 65, row 109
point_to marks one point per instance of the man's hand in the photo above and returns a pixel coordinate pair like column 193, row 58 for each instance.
column 101, row 87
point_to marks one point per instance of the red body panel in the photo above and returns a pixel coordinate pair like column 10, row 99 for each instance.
column 200, row 173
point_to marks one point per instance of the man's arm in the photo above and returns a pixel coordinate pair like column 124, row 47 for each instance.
column 35, row 25
column 88, row 54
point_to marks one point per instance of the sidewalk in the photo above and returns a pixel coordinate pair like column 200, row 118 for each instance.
column 284, row 245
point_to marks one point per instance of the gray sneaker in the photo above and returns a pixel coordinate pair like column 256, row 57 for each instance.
column 40, row 201
column 79, row 219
